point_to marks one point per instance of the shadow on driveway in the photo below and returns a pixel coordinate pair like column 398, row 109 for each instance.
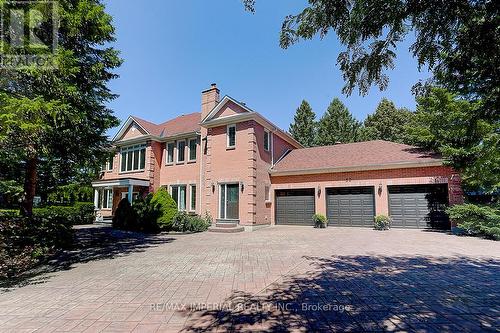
column 365, row 293
column 91, row 243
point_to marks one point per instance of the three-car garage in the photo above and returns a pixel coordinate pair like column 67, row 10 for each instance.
column 410, row 206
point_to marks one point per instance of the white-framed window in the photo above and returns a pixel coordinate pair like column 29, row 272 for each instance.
column 181, row 151
column 105, row 200
column 178, row 193
column 192, row 197
column 192, row 149
column 267, row 140
column 108, row 165
column 133, row 158
column 267, row 193
column 170, row 152
column 231, row 136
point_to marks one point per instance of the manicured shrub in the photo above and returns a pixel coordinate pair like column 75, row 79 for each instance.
column 147, row 214
column 382, row 222
column 198, row 224
column 477, row 220
column 80, row 213
column 320, row 221
column 125, row 217
column 24, row 242
column 163, row 202
column 183, row 222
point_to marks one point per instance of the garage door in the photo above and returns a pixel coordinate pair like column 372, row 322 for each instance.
column 353, row 206
column 418, row 206
column 295, row 207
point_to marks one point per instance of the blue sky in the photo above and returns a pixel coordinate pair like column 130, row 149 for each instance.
column 174, row 49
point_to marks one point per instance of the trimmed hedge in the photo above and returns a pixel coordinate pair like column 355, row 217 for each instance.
column 477, row 220
column 25, row 242
column 80, row 213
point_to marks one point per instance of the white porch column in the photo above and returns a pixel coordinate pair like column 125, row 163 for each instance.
column 130, row 193
column 96, row 198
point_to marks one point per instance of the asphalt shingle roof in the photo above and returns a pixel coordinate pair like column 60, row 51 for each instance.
column 351, row 155
column 182, row 124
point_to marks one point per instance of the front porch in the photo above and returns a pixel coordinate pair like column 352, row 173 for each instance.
column 108, row 193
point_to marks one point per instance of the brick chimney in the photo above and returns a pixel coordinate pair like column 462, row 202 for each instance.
column 209, row 99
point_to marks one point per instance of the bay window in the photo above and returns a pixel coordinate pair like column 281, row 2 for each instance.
column 192, row 150
column 133, row 158
column 181, row 147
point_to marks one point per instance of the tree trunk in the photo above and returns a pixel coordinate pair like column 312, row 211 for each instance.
column 30, row 180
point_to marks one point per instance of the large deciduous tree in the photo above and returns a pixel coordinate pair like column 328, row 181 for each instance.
column 58, row 113
column 337, row 125
column 458, row 40
column 387, row 123
column 303, row 128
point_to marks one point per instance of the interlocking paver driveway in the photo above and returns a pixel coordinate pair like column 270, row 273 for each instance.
column 274, row 279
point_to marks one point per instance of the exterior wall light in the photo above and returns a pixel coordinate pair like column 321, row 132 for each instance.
column 242, row 187
column 319, row 190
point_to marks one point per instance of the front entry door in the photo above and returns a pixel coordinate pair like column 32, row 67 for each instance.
column 229, row 201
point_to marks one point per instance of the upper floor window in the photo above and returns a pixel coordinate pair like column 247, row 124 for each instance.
column 267, row 139
column 170, row 152
column 181, row 151
column 192, row 149
column 231, row 136
column 133, row 158
column 108, row 166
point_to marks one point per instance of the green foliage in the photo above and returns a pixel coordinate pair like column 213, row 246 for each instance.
column 320, row 221
column 382, row 222
column 449, row 125
column 337, row 125
column 163, row 202
column 184, row 222
column 457, row 40
column 477, row 220
column 386, row 123
column 10, row 191
column 147, row 214
column 303, row 128
column 71, row 193
column 59, row 116
column 80, row 213
column 24, row 242
column 9, row 212
column 125, row 217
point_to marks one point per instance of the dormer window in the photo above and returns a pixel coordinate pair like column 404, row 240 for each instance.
column 231, row 136
column 133, row 158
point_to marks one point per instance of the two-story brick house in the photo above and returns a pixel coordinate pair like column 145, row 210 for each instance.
column 235, row 164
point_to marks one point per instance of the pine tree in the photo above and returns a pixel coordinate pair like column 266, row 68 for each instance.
column 337, row 125
column 303, row 128
column 387, row 123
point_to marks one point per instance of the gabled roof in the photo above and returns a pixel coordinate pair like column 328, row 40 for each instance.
column 369, row 155
column 189, row 123
column 210, row 120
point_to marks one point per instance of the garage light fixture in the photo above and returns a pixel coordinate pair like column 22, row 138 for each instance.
column 319, row 191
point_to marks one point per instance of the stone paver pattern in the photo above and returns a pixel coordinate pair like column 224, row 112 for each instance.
column 279, row 278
